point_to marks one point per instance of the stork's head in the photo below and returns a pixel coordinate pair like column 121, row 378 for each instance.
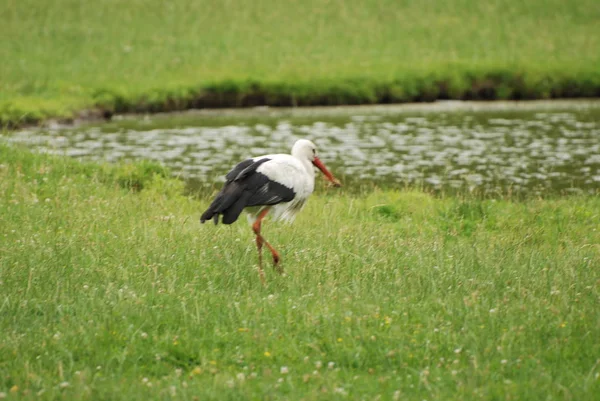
column 305, row 149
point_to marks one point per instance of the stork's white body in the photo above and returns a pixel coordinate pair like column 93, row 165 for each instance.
column 292, row 172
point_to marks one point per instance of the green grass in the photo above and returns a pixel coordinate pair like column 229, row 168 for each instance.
column 63, row 56
column 111, row 289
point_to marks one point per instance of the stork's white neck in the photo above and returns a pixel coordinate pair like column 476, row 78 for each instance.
column 304, row 154
column 310, row 169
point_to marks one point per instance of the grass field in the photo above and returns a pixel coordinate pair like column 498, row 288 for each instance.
column 63, row 56
column 111, row 293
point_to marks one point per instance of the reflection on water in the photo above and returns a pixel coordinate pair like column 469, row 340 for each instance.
column 492, row 150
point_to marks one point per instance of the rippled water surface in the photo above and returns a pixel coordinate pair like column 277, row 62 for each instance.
column 465, row 146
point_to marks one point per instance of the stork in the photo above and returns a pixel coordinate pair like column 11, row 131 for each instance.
column 279, row 182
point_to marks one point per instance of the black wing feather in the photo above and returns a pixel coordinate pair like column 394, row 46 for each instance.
column 233, row 174
column 245, row 187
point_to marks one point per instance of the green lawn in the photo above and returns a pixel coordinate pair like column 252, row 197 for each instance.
column 63, row 56
column 109, row 293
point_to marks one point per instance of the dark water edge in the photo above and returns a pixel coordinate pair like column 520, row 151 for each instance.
column 200, row 189
column 488, row 85
column 487, row 149
column 485, row 85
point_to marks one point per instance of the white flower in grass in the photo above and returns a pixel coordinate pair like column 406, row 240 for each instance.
column 284, row 370
column 340, row 390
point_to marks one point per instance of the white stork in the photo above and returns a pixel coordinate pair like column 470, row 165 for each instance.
column 278, row 182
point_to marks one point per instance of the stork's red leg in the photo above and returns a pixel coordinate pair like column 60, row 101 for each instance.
column 276, row 258
column 260, row 241
column 261, row 273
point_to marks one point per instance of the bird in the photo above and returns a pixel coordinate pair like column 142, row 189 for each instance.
column 276, row 183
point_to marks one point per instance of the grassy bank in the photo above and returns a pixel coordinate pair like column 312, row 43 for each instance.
column 110, row 56
column 109, row 292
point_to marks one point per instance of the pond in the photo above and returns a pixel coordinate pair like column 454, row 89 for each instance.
column 492, row 148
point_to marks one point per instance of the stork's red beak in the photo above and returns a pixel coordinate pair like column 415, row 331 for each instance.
column 326, row 172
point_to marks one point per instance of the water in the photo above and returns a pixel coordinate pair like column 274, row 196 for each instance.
column 487, row 147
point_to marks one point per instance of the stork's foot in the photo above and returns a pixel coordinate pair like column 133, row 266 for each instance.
column 276, row 258
column 276, row 264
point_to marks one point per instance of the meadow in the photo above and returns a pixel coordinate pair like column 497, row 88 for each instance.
column 69, row 59
column 110, row 289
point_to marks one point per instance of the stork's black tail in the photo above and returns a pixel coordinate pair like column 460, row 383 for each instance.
column 229, row 203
